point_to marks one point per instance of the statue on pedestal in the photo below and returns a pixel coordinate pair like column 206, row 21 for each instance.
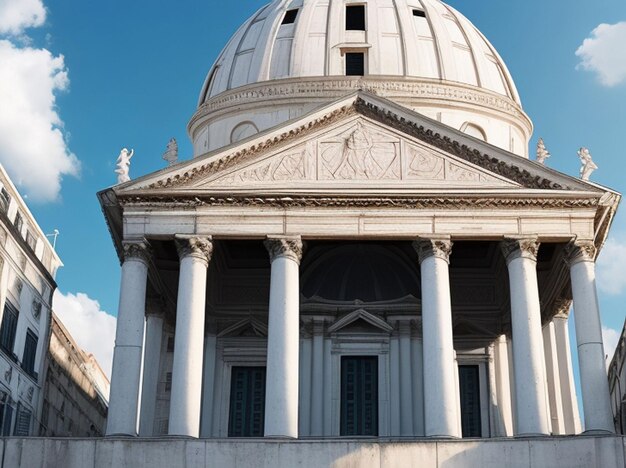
column 123, row 165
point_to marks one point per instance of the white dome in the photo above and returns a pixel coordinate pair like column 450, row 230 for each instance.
column 415, row 38
column 295, row 55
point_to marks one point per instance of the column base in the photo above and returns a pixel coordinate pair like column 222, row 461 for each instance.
column 443, row 437
column 280, row 437
column 121, row 436
column 598, row 432
column 530, row 435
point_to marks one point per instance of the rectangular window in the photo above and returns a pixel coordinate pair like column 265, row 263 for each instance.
column 355, row 64
column 247, row 402
column 290, row 17
column 8, row 328
column 359, row 396
column 30, row 352
column 355, row 18
column 6, row 199
column 7, row 417
column 168, row 382
column 469, row 384
column 170, row 344
column 19, row 222
column 31, row 241
column 419, row 13
column 22, row 423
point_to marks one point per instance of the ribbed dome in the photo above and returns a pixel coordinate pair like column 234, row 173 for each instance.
column 406, row 38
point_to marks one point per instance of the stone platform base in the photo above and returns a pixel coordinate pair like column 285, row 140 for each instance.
column 545, row 452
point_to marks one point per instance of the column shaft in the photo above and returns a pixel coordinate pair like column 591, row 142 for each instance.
column 281, row 394
column 553, row 379
column 317, row 380
column 528, row 354
column 186, row 399
column 206, row 423
column 571, row 413
column 151, row 362
column 441, row 407
column 126, row 373
column 591, row 357
column 503, row 382
column 406, row 388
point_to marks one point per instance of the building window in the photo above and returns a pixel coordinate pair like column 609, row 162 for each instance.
column 19, row 222
column 355, row 18
column 170, row 344
column 290, row 17
column 31, row 241
column 355, row 63
column 6, row 414
column 168, row 382
column 419, row 13
column 30, row 352
column 8, row 328
column 469, row 384
column 5, row 199
column 22, row 422
column 247, row 402
column 359, row 396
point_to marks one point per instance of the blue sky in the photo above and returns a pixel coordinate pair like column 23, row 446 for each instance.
column 134, row 71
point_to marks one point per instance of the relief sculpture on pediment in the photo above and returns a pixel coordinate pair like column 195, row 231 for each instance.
column 291, row 166
column 361, row 155
column 423, row 165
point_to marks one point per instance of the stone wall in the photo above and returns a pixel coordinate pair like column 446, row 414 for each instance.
column 570, row 452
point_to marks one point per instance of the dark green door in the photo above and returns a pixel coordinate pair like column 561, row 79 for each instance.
column 359, row 396
column 469, row 384
column 247, row 402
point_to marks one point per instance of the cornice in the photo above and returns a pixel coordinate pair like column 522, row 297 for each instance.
column 197, row 200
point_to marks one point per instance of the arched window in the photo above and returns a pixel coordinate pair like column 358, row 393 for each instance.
column 243, row 131
column 474, row 130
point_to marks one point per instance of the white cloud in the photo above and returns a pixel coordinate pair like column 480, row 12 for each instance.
column 604, row 53
column 17, row 15
column 611, row 277
column 92, row 328
column 32, row 145
column 610, row 338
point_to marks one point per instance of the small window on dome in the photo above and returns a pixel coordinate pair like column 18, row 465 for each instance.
column 355, row 64
column 355, row 18
column 419, row 13
column 290, row 17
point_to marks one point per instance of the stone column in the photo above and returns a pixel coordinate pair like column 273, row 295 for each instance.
column 317, row 380
column 503, row 382
column 281, row 393
column 151, row 363
column 591, row 359
column 126, row 373
column 406, row 387
column 186, row 400
column 571, row 414
column 528, row 355
column 553, row 379
column 441, row 408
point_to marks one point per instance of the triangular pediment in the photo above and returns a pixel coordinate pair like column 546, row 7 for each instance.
column 355, row 153
column 361, row 144
column 250, row 327
column 360, row 320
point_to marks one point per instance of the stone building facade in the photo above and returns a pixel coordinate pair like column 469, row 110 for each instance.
column 28, row 265
column 617, row 383
column 76, row 389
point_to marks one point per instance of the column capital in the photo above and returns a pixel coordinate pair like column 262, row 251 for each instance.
column 562, row 307
column 200, row 247
column 284, row 246
column 438, row 247
column 137, row 250
column 520, row 247
column 580, row 251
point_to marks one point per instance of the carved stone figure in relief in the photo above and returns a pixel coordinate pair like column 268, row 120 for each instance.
column 123, row 165
column 360, row 157
column 542, row 152
column 423, row 165
column 588, row 166
column 171, row 153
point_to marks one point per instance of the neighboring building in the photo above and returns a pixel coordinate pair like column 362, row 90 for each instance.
column 28, row 265
column 617, row 383
column 76, row 391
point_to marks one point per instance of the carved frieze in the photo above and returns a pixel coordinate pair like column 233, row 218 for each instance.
column 283, row 246
column 526, row 247
column 435, row 247
column 195, row 246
